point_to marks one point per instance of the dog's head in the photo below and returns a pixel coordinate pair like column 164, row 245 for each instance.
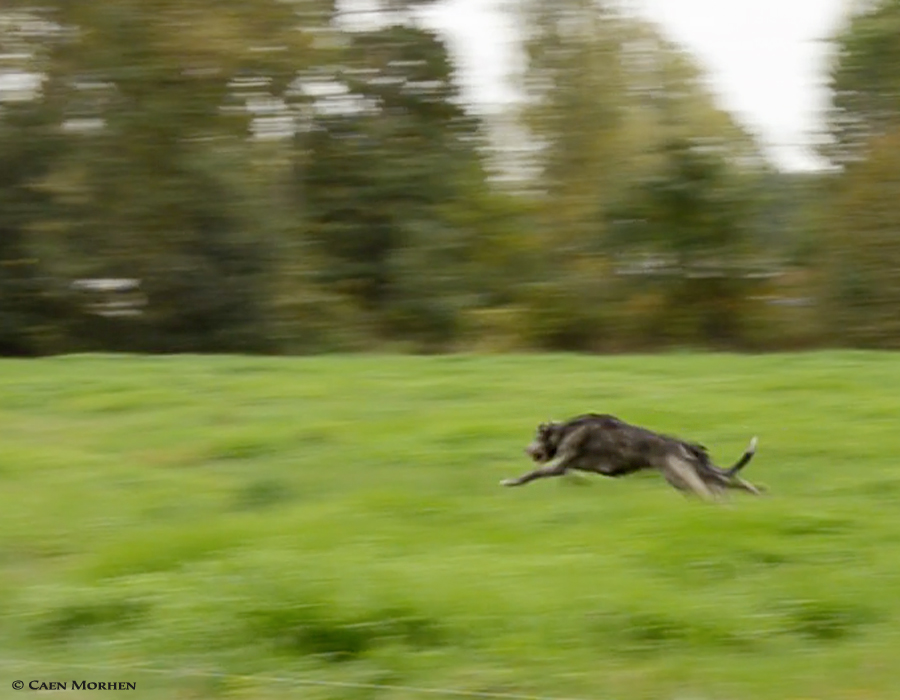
column 546, row 442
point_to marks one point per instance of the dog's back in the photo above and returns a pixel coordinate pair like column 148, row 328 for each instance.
column 620, row 447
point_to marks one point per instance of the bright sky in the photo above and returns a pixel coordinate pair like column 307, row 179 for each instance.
column 765, row 58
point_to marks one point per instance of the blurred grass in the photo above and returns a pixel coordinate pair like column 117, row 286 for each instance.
column 339, row 518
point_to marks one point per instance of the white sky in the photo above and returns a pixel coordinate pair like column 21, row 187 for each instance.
column 765, row 58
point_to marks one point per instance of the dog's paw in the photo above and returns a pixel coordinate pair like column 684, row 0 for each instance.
column 508, row 482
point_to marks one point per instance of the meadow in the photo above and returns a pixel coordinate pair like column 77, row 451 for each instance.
column 333, row 527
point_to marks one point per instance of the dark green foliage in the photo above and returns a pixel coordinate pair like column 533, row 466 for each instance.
column 864, row 82
column 261, row 494
column 72, row 621
column 384, row 211
column 319, row 631
column 692, row 208
column 33, row 305
column 859, row 286
column 208, row 293
column 824, row 620
column 859, row 254
column 379, row 181
column 689, row 220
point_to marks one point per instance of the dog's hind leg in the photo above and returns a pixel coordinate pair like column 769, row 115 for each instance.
column 683, row 476
column 737, row 482
column 555, row 468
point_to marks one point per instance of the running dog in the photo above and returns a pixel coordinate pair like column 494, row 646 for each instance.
column 606, row 445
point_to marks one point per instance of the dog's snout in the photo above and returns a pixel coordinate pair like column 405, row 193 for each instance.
column 535, row 451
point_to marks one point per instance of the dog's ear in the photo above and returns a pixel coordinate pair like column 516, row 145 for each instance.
column 550, row 432
column 544, row 427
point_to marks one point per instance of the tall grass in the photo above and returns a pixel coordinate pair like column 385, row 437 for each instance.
column 339, row 519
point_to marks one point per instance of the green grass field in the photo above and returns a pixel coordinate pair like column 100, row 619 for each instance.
column 339, row 520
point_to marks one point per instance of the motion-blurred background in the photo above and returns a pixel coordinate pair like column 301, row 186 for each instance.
column 303, row 176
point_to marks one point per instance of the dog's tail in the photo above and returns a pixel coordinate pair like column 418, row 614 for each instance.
column 744, row 460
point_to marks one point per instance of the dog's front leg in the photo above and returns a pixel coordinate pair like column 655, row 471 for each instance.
column 555, row 468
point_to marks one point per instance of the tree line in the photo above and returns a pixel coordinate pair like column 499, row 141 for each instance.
column 283, row 177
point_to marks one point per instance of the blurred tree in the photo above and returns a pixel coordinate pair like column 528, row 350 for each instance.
column 156, row 99
column 864, row 80
column 861, row 273
column 32, row 305
column 634, row 155
column 574, row 108
column 389, row 154
column 786, row 206
column 178, row 168
column 604, row 91
column 691, row 208
column 861, row 216
column 689, row 220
